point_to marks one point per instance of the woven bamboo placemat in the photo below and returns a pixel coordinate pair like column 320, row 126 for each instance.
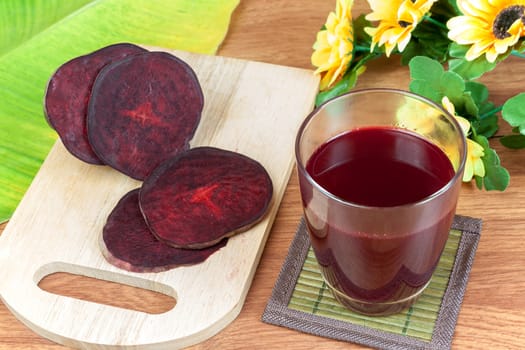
column 301, row 300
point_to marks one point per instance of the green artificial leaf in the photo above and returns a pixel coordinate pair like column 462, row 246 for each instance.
column 469, row 70
column 464, row 104
column 513, row 141
column 424, row 68
column 361, row 51
column 469, row 105
column 445, row 9
column 454, row 6
column 479, row 181
column 478, row 91
column 513, row 112
column 411, row 50
column 424, row 89
column 429, row 79
column 496, row 177
column 427, row 40
column 458, row 51
column 487, row 126
column 486, row 123
column 487, row 109
column 342, row 86
column 37, row 36
column 452, row 86
column 360, row 36
column 426, row 74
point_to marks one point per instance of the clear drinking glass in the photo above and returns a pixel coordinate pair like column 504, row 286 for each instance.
column 378, row 258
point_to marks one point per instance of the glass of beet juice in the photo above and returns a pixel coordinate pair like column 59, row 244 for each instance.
column 380, row 172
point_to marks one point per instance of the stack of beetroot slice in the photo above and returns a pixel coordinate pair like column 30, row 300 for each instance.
column 128, row 243
column 186, row 209
column 67, row 97
column 136, row 111
column 125, row 107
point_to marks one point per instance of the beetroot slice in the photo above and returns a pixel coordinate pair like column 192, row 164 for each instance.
column 128, row 243
column 67, row 95
column 143, row 109
column 203, row 195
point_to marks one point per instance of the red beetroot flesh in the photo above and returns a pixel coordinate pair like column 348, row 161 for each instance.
column 67, row 95
column 203, row 195
column 128, row 243
column 143, row 110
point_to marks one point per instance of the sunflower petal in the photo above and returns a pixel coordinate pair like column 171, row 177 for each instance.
column 491, row 55
column 469, row 172
column 467, row 30
column 482, row 27
column 403, row 40
column 397, row 19
column 474, row 164
column 477, row 50
column 334, row 45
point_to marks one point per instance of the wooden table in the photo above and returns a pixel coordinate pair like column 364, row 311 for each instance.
column 493, row 312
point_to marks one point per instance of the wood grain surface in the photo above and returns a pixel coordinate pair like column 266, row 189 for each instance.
column 493, row 312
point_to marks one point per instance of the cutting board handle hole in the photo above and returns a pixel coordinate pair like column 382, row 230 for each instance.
column 130, row 296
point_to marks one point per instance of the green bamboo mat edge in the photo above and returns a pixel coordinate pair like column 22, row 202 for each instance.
column 338, row 323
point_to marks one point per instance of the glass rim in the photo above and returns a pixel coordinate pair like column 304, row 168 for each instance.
column 443, row 189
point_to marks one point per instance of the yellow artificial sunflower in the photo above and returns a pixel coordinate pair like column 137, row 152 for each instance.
column 397, row 19
column 474, row 164
column 491, row 27
column 334, row 45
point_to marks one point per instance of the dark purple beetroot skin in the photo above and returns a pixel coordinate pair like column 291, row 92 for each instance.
column 128, row 243
column 204, row 195
column 143, row 110
column 67, row 95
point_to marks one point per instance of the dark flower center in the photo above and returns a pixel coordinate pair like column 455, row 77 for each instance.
column 505, row 19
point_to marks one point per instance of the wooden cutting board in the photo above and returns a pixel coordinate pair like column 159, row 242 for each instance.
column 250, row 107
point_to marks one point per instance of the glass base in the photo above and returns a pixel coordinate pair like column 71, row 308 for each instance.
column 374, row 308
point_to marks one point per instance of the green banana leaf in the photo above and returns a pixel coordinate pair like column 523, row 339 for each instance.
column 37, row 36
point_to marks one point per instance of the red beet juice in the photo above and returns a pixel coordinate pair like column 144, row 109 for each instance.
column 377, row 260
